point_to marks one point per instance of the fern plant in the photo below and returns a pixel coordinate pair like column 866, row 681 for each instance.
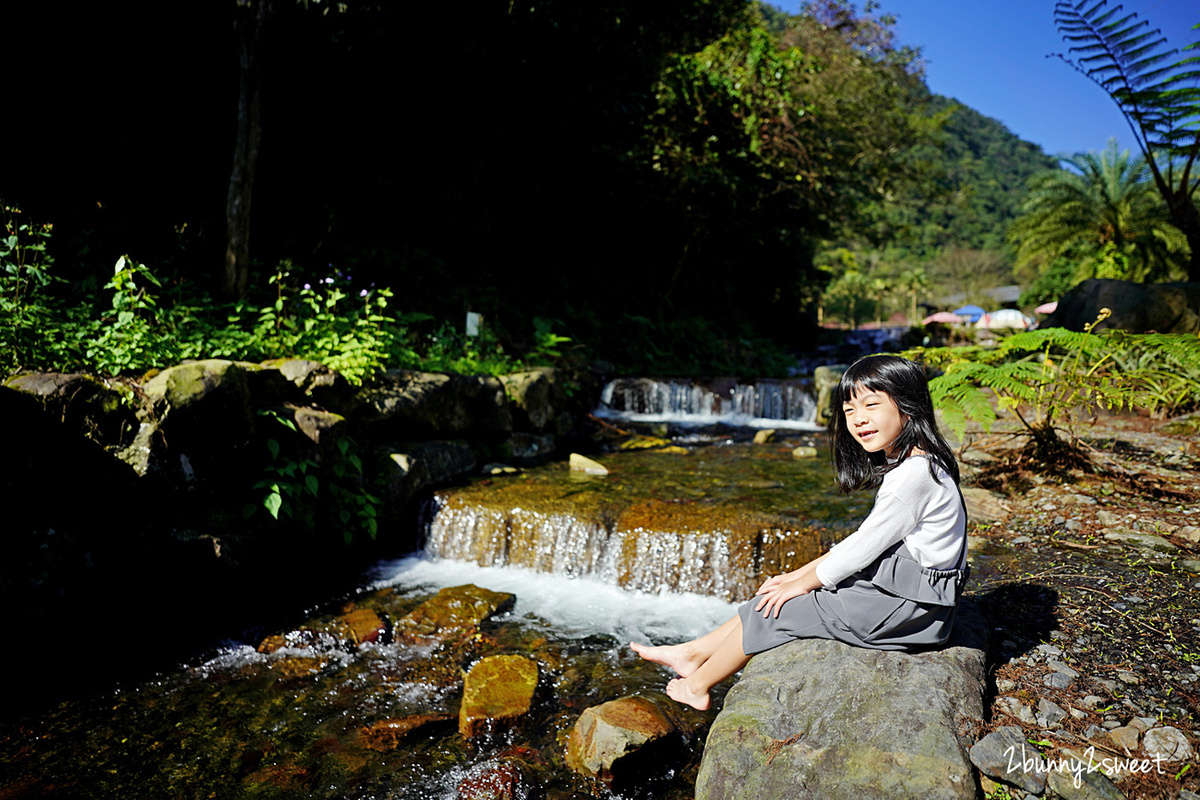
column 1159, row 99
column 1051, row 379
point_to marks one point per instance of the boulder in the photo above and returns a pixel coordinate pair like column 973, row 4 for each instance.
column 321, row 427
column 528, row 448
column 534, row 399
column 764, row 436
column 91, row 407
column 620, row 738
column 413, row 467
column 202, row 418
column 497, row 691
column 820, row 719
column 326, row 387
column 1135, row 307
column 403, row 405
column 825, row 380
column 454, row 610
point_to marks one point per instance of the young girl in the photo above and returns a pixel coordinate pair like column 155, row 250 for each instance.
column 891, row 585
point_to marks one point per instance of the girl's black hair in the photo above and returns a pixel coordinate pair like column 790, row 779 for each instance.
column 903, row 381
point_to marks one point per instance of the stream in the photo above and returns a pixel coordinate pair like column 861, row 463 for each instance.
column 656, row 550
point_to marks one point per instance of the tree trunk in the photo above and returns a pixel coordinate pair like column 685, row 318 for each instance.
column 249, row 18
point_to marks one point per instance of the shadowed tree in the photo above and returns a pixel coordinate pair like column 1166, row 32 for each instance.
column 1159, row 99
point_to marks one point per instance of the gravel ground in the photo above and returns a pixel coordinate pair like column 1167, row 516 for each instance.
column 1089, row 581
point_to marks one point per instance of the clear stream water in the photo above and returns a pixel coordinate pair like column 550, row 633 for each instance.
column 654, row 551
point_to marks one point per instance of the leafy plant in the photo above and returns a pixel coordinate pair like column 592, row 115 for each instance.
column 1051, row 379
column 24, row 273
column 1160, row 100
column 315, row 492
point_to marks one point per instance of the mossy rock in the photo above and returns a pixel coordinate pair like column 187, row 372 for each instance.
column 95, row 408
column 453, row 610
column 497, row 691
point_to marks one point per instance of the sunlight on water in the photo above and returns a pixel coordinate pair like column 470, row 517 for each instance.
column 575, row 606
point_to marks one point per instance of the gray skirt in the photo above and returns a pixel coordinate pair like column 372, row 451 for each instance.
column 895, row 604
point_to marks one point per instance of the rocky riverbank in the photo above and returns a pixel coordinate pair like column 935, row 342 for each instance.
column 1089, row 581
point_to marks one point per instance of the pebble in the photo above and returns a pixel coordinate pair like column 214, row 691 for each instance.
column 1189, row 532
column 1091, row 701
column 1057, row 680
column 1190, row 565
column 1125, row 737
column 1106, row 683
column 1001, row 749
column 1049, row 714
column 1076, row 713
column 1050, row 650
column 1129, row 678
column 1060, row 519
column 1107, row 518
column 1169, row 744
column 1083, row 498
column 1074, row 525
column 1110, row 724
column 1022, row 540
column 1133, row 598
column 1092, row 731
column 1184, row 794
column 1142, row 724
column 1016, row 708
column 1059, row 666
column 1005, row 685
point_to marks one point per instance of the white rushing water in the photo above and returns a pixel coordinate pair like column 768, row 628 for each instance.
column 766, row 404
column 573, row 606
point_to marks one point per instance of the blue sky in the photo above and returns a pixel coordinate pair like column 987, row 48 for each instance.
column 991, row 55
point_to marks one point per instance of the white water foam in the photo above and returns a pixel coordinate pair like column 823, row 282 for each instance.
column 572, row 606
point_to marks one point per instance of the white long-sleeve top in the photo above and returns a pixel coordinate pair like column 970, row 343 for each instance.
column 912, row 506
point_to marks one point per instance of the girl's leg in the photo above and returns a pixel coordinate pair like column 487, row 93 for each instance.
column 685, row 658
column 725, row 660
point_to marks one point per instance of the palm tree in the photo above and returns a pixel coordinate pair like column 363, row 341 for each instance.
column 913, row 281
column 1106, row 207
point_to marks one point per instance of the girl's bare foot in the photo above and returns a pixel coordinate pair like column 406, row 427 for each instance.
column 678, row 657
column 679, row 691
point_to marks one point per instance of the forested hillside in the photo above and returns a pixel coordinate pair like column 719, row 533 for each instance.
column 663, row 184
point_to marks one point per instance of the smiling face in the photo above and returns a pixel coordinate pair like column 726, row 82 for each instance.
column 873, row 420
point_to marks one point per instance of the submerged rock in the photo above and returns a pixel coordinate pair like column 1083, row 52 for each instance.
column 821, row 719
column 389, row 734
column 500, row 779
column 497, row 691
column 616, row 737
column 454, row 610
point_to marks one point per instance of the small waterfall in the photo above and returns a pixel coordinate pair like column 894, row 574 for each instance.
column 645, row 548
column 767, row 403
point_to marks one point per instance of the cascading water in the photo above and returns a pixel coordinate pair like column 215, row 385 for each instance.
column 711, row 521
column 759, row 404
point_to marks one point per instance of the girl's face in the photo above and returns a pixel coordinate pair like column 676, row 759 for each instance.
column 873, row 420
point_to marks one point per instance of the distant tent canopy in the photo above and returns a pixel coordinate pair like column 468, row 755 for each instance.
column 970, row 313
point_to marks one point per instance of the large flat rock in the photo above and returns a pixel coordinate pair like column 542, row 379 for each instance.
column 821, row 719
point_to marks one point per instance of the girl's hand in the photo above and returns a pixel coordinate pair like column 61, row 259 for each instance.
column 775, row 596
column 770, row 583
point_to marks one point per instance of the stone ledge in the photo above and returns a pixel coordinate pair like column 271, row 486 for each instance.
column 820, row 719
